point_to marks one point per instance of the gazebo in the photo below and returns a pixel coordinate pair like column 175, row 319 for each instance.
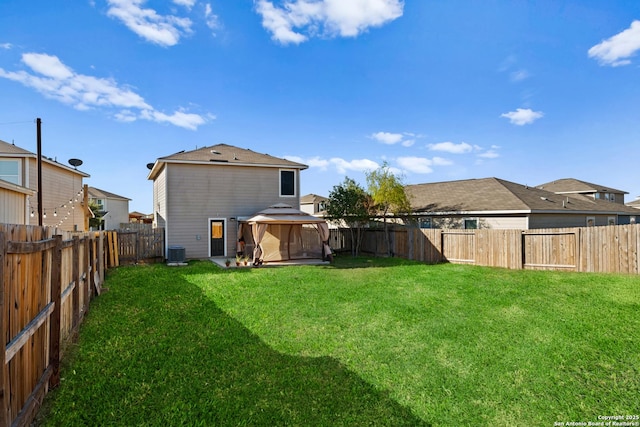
column 283, row 233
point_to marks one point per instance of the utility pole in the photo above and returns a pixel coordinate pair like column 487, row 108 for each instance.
column 39, row 139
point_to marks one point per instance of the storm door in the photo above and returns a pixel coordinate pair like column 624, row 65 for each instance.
column 217, row 237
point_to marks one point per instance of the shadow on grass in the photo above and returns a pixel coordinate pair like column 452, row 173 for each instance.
column 161, row 353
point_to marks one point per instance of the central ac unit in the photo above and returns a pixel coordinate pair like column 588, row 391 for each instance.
column 176, row 254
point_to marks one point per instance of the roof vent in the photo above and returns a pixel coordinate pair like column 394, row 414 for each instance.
column 215, row 152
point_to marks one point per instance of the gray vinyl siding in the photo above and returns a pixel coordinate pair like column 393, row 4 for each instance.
column 160, row 199
column 118, row 213
column 196, row 193
column 566, row 220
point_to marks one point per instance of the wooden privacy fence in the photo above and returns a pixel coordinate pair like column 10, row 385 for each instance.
column 47, row 283
column 610, row 249
column 140, row 245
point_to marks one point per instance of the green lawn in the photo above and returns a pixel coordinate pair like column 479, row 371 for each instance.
column 362, row 342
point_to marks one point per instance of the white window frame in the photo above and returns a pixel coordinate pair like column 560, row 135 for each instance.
column 593, row 221
column 611, row 220
column 18, row 180
column 295, row 183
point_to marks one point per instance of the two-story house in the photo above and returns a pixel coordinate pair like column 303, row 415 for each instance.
column 575, row 187
column 114, row 209
column 201, row 196
column 62, row 189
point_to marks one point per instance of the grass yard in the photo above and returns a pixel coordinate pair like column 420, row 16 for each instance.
column 362, row 342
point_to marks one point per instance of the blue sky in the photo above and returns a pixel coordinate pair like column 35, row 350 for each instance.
column 528, row 91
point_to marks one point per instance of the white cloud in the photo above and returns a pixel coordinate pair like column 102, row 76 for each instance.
column 523, row 116
column 394, row 138
column 6, row 46
column 415, row 164
column 211, row 19
column 357, row 165
column 489, row 154
column 450, row 147
column 618, row 49
column 56, row 81
column 313, row 162
column 296, row 20
column 186, row 3
column 148, row 24
column 519, row 75
column 421, row 164
column 387, row 137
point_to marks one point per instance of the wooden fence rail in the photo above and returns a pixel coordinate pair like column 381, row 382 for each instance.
column 47, row 283
column 610, row 249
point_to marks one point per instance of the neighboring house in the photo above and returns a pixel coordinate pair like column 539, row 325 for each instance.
column 136, row 217
column 13, row 202
column 62, row 188
column 202, row 196
column 635, row 203
column 313, row 205
column 113, row 209
column 571, row 187
column 499, row 204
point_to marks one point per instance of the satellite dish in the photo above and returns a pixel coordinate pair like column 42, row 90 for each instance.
column 149, row 166
column 75, row 162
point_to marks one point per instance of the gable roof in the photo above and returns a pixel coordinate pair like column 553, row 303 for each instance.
column 96, row 193
column 312, row 198
column 11, row 150
column 572, row 185
column 226, row 155
column 494, row 195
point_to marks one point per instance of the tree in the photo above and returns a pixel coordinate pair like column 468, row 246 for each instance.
column 350, row 203
column 389, row 197
column 95, row 223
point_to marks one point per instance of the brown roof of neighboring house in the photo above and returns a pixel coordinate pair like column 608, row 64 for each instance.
column 227, row 155
column 572, row 185
column 498, row 195
column 6, row 148
column 312, row 198
column 11, row 150
column 96, row 193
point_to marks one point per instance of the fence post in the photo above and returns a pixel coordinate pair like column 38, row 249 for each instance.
column 75, row 259
column 87, row 274
column 101, row 256
column 54, row 325
column 4, row 420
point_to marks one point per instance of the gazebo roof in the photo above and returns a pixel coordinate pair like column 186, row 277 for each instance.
column 282, row 213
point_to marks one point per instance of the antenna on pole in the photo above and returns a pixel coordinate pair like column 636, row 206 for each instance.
column 39, row 141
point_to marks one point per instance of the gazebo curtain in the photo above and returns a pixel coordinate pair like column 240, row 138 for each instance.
column 258, row 230
column 323, row 230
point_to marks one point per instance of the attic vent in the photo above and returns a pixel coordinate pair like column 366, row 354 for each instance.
column 215, row 152
column 543, row 198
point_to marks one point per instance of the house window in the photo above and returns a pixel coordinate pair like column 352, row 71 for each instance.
column 470, row 223
column 287, row 183
column 425, row 222
column 611, row 220
column 632, row 219
column 591, row 221
column 322, row 206
column 10, row 171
